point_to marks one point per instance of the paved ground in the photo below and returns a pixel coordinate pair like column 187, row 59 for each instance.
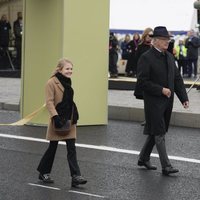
column 10, row 93
column 125, row 98
column 107, row 156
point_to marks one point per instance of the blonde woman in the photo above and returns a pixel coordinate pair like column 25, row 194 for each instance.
column 59, row 103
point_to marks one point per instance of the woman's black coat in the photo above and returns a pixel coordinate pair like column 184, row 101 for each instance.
column 156, row 71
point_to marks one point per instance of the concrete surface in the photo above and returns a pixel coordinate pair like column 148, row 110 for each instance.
column 122, row 105
column 107, row 156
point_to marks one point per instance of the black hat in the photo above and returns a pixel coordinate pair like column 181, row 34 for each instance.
column 160, row 31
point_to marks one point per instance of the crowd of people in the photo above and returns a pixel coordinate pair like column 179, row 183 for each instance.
column 7, row 36
column 184, row 50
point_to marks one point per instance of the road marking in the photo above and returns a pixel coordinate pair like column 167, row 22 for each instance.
column 87, row 194
column 101, row 148
column 70, row 191
column 43, row 186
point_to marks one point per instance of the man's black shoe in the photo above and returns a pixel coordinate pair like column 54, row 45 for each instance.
column 146, row 164
column 45, row 178
column 78, row 180
column 169, row 170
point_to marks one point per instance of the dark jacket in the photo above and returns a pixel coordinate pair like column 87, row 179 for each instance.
column 192, row 45
column 17, row 32
column 142, row 48
column 4, row 33
column 131, row 64
column 156, row 71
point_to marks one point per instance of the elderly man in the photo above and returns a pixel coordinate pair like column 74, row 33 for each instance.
column 159, row 78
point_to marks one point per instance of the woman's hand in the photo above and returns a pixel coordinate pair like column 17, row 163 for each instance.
column 58, row 121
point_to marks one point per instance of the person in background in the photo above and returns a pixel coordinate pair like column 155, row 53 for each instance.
column 4, row 41
column 124, row 47
column 59, row 102
column 171, row 48
column 143, row 46
column 17, row 26
column 145, row 43
column 159, row 79
column 4, row 32
column 192, row 44
column 113, row 55
column 181, row 57
column 132, row 48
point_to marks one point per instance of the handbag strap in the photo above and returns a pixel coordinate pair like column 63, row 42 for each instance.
column 72, row 113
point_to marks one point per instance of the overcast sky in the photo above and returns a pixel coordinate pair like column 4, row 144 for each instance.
column 176, row 15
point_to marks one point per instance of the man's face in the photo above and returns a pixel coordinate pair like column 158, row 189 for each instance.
column 162, row 43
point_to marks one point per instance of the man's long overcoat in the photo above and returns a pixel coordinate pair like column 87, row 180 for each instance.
column 156, row 71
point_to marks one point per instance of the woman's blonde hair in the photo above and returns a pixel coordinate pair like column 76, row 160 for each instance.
column 145, row 33
column 61, row 64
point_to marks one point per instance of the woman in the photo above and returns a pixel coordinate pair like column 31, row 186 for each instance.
column 132, row 48
column 144, row 46
column 145, row 43
column 124, row 47
column 59, row 102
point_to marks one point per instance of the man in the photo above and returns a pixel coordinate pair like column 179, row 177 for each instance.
column 159, row 78
column 192, row 44
column 4, row 32
column 17, row 26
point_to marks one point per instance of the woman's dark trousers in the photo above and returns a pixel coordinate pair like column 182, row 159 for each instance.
column 46, row 163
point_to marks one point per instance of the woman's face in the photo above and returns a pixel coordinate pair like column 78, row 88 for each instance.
column 67, row 70
column 148, row 38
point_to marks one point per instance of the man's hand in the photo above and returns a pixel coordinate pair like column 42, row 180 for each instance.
column 186, row 104
column 166, row 92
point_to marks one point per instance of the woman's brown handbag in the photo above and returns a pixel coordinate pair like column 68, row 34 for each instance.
column 65, row 128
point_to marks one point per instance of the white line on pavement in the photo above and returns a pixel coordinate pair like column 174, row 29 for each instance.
column 70, row 191
column 87, row 194
column 101, row 148
column 43, row 186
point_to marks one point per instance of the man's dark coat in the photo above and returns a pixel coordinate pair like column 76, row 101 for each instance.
column 156, row 71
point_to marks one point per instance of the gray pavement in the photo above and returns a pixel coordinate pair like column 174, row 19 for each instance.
column 10, row 93
column 122, row 105
column 107, row 156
